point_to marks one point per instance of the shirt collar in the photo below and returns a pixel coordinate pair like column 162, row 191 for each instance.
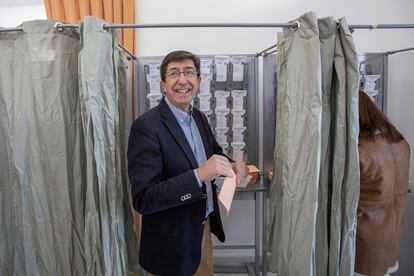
column 180, row 115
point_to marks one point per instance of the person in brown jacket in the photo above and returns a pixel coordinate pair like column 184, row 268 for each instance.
column 384, row 166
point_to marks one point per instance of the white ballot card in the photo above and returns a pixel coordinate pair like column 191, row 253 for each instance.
column 154, row 99
column 205, row 65
column 221, row 134
column 205, row 83
column 238, row 67
column 238, row 136
column 238, row 118
column 221, row 99
column 154, row 83
column 370, row 82
column 204, row 102
column 238, row 99
column 227, row 192
column 221, row 120
column 154, row 68
column 221, row 67
column 238, row 150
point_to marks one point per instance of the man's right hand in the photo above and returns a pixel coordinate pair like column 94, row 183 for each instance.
column 216, row 165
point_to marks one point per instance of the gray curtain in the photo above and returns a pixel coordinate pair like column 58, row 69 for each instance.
column 64, row 203
column 315, row 188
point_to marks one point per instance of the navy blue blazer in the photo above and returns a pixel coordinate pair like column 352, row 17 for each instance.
column 165, row 191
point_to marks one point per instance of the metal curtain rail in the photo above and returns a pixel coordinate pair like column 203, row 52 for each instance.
column 268, row 53
column 262, row 52
column 221, row 25
column 387, row 54
column 399, row 51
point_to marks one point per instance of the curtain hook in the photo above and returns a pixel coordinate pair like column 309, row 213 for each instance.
column 297, row 25
column 58, row 27
column 373, row 27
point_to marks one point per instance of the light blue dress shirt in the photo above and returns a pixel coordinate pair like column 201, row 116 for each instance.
column 193, row 136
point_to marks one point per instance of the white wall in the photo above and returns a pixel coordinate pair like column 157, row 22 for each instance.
column 12, row 16
column 156, row 42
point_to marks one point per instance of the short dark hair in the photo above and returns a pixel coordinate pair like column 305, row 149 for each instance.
column 179, row 56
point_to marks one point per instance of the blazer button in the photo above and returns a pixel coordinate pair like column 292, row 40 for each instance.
column 185, row 197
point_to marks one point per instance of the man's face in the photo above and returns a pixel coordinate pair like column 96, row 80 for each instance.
column 181, row 83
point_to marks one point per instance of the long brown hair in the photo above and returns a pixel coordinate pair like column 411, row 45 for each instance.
column 372, row 121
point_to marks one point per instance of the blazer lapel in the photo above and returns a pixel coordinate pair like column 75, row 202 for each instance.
column 175, row 129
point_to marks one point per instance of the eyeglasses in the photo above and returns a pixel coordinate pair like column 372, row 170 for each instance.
column 175, row 74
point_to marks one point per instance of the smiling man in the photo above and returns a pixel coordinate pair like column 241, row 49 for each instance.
column 173, row 159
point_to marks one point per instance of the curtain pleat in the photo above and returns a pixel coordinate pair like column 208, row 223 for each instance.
column 315, row 187
column 64, row 196
column 103, row 112
column 41, row 215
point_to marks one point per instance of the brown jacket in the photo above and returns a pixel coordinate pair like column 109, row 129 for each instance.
column 384, row 186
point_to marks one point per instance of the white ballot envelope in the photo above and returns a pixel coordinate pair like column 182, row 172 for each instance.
column 226, row 194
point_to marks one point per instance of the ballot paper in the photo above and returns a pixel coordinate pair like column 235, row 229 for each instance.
column 204, row 102
column 221, row 67
column 221, row 135
column 238, row 150
column 238, row 67
column 154, row 83
column 221, row 117
column 238, row 136
column 221, row 99
column 205, row 84
column 238, row 118
column 154, row 99
column 153, row 68
column 227, row 192
column 238, row 99
column 205, row 65
column 370, row 82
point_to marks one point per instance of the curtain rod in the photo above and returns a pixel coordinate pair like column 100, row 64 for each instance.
column 222, row 25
